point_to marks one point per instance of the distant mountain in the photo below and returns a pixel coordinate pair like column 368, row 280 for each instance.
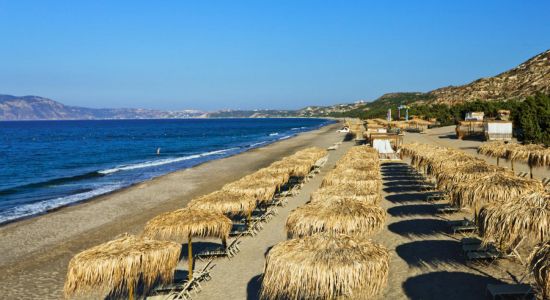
column 39, row 108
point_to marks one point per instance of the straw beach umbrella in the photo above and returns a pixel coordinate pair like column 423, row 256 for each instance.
column 341, row 192
column 118, row 266
column 540, row 158
column 228, row 203
column 496, row 149
column 539, row 262
column 260, row 190
column 186, row 223
column 523, row 153
column 466, row 172
column 497, row 187
column 325, row 266
column 336, row 216
column 508, row 223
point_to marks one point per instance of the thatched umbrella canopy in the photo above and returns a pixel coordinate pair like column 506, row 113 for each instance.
column 228, row 203
column 497, row 187
column 523, row 153
column 118, row 266
column 325, row 266
column 341, row 192
column 540, row 158
column 496, row 149
column 366, row 185
column 186, row 223
column 447, row 179
column 508, row 223
column 336, row 216
column 539, row 262
column 260, row 190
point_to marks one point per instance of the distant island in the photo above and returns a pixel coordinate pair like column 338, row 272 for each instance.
column 530, row 78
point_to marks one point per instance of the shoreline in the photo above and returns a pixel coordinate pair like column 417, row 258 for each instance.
column 92, row 198
column 37, row 250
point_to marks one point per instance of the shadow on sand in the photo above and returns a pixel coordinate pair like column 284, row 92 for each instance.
column 431, row 252
column 253, row 287
column 448, row 286
column 419, row 227
column 412, row 210
column 406, row 197
column 198, row 248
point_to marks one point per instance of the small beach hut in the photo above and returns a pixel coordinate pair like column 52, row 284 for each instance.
column 509, row 223
column 335, row 216
column 498, row 130
column 539, row 262
column 325, row 266
column 117, row 267
column 186, row 223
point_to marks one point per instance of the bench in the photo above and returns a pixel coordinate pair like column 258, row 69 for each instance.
column 520, row 291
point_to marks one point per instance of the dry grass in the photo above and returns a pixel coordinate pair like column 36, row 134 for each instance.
column 336, row 216
column 526, row 217
column 183, row 223
column 325, row 267
column 228, row 203
column 539, row 262
column 117, row 266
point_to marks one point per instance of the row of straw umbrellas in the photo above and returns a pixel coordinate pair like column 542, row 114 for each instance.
column 356, row 126
column 119, row 266
column 328, row 253
column 508, row 210
column 533, row 154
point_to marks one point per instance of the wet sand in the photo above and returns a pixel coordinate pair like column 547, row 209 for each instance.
column 36, row 251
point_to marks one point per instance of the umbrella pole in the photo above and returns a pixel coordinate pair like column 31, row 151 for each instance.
column 531, row 170
column 131, row 292
column 190, row 258
column 498, row 160
column 512, row 164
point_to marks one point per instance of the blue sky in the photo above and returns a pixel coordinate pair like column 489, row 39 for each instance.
column 257, row 54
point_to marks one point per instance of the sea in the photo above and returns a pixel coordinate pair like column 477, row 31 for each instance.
column 45, row 165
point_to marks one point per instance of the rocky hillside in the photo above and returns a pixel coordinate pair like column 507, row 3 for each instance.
column 524, row 80
column 39, row 108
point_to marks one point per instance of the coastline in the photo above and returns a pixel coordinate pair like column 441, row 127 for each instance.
column 63, row 201
column 36, row 250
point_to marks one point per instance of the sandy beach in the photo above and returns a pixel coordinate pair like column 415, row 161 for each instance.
column 427, row 260
column 36, row 251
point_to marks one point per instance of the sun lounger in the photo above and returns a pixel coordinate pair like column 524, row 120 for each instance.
column 523, row 174
column 464, row 225
column 483, row 255
column 518, row 291
column 447, row 209
column 333, row 147
column 470, row 241
column 435, row 197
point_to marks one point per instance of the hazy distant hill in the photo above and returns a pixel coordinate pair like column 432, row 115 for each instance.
column 524, row 80
column 39, row 108
column 527, row 79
